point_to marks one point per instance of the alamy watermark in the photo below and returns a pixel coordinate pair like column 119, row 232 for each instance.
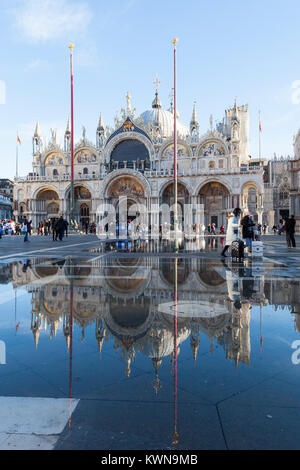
column 2, row 92
column 128, row 220
column 296, row 355
column 2, row 353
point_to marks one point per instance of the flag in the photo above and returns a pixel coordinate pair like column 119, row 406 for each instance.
column 260, row 126
column 17, row 326
column 18, row 139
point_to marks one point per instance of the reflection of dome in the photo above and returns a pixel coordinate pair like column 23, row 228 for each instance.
column 130, row 316
column 164, row 118
column 159, row 341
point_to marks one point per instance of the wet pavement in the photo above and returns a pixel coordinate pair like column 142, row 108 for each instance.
column 117, row 346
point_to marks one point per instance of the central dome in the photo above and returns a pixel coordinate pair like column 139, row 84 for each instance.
column 163, row 118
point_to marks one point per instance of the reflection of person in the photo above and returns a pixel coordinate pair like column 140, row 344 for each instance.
column 232, row 233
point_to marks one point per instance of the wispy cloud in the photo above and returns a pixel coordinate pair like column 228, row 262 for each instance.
column 44, row 20
column 37, row 64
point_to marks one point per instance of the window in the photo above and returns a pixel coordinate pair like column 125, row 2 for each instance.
column 85, row 171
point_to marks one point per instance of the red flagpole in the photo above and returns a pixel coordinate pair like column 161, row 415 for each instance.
column 71, row 47
column 175, row 147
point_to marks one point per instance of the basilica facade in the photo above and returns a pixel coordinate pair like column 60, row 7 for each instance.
column 134, row 158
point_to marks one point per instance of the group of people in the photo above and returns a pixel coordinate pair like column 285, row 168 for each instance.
column 250, row 232
column 10, row 227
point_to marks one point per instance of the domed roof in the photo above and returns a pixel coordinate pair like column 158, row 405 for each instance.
column 165, row 119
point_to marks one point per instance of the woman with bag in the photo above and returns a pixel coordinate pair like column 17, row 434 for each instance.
column 232, row 233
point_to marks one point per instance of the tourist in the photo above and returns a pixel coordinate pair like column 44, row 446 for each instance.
column 53, row 227
column 289, row 228
column 248, row 231
column 213, row 229
column 232, row 233
column 66, row 227
column 265, row 229
column 25, row 230
column 60, row 228
column 222, row 229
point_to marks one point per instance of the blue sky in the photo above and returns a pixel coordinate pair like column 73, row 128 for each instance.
column 242, row 49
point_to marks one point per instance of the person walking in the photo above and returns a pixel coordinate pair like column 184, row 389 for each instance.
column 60, row 228
column 248, row 231
column 232, row 232
column 25, row 230
column 289, row 228
column 66, row 227
column 53, row 227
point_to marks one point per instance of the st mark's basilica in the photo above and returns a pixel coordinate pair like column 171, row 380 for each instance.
column 135, row 159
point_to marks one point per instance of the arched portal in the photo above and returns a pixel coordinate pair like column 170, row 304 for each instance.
column 127, row 195
column 47, row 204
column 169, row 200
column 82, row 205
column 215, row 198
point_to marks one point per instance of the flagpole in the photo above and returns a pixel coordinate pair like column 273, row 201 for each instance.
column 17, row 157
column 175, row 41
column 259, row 150
column 71, row 47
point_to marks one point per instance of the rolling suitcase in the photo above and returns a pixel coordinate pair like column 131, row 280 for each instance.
column 237, row 250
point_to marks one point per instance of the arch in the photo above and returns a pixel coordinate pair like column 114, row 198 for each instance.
column 125, row 185
column 171, row 181
column 167, row 274
column 54, row 159
column 47, row 194
column 130, row 151
column 213, row 179
column 112, row 143
column 44, row 187
column 248, row 185
column 85, row 155
column 212, row 147
column 84, row 186
column 181, row 145
column 128, row 172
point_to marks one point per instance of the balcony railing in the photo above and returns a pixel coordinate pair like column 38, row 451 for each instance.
column 147, row 172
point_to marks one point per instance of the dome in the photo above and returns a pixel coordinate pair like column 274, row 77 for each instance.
column 165, row 119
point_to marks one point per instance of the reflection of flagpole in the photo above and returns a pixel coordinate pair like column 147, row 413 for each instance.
column 15, row 311
column 260, row 328
column 71, row 342
column 175, row 434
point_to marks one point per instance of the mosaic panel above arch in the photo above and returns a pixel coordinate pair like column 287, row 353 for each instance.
column 212, row 148
column 168, row 152
column 126, row 186
column 55, row 159
column 85, row 156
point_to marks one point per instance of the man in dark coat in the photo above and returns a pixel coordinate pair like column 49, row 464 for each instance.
column 60, row 228
column 289, row 228
column 247, row 231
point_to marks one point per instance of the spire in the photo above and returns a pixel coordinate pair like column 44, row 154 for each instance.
column 194, row 119
column 100, row 124
column 156, row 103
column 37, row 132
column 68, row 129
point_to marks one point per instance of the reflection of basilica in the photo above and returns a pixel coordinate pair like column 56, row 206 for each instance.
column 129, row 301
